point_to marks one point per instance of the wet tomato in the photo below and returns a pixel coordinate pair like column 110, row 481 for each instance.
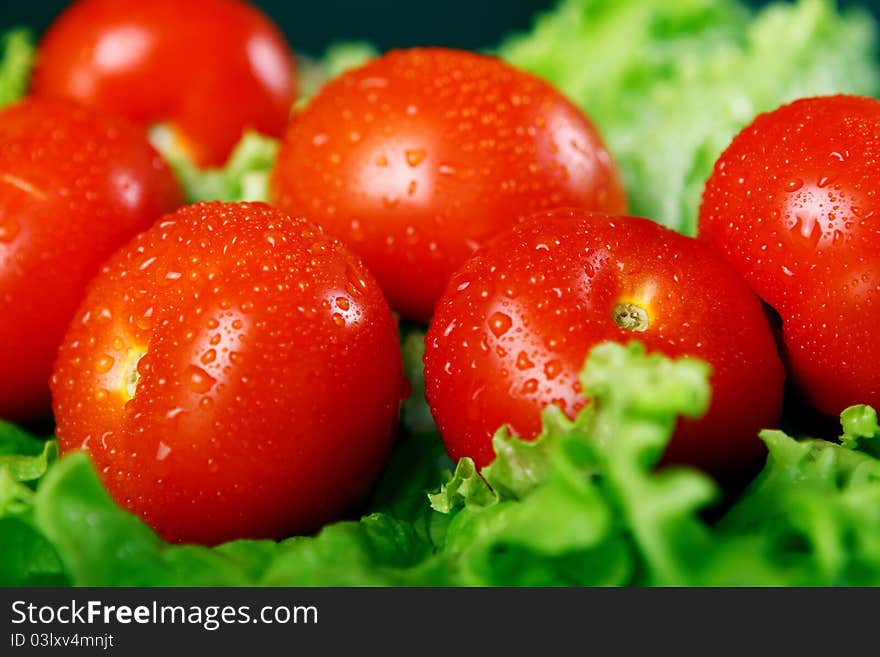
column 517, row 321
column 418, row 157
column 233, row 372
column 207, row 69
column 793, row 204
column 75, row 184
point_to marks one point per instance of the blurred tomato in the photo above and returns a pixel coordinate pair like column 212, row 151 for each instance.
column 208, row 69
column 75, row 184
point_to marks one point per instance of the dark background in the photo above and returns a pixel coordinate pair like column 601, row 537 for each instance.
column 312, row 26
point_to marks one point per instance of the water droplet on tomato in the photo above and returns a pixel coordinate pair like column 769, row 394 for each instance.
column 552, row 369
column 272, row 237
column 415, row 156
column 198, row 380
column 174, row 412
column 162, row 451
column 793, row 185
column 499, row 324
column 208, row 357
column 355, row 279
column 808, row 226
column 104, row 364
column 523, row 362
column 145, row 321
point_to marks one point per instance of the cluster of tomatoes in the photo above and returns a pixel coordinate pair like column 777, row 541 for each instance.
column 234, row 369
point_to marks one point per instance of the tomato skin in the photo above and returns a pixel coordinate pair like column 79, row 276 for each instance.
column 208, row 68
column 75, row 184
column 511, row 334
column 270, row 382
column 418, row 157
column 792, row 204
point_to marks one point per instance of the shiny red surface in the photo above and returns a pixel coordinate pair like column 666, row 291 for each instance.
column 233, row 372
column 517, row 321
column 75, row 184
column 422, row 155
column 793, row 204
column 209, row 69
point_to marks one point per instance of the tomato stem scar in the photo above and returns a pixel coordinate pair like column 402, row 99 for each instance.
column 630, row 316
column 132, row 377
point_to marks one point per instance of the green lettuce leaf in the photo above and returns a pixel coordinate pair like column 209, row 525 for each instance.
column 16, row 61
column 100, row 544
column 813, row 514
column 15, row 441
column 245, row 176
column 21, row 467
column 860, row 430
column 670, row 83
column 378, row 550
column 584, row 504
column 28, row 558
column 24, row 458
column 596, row 511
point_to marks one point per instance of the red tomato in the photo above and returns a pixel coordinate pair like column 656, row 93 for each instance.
column 420, row 156
column 511, row 334
column 75, row 184
column 793, row 204
column 233, row 372
column 208, row 68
